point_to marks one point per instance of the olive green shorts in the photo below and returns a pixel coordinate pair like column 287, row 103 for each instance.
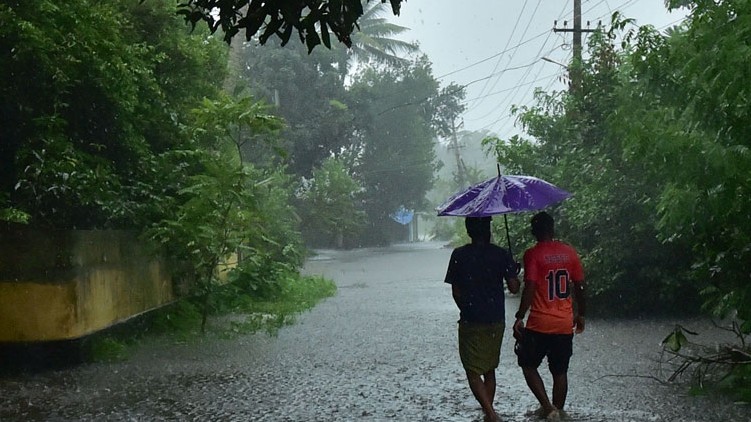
column 480, row 346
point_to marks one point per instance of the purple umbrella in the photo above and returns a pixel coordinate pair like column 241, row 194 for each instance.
column 503, row 195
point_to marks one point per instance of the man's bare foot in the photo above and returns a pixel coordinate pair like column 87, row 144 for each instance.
column 542, row 413
column 553, row 416
column 492, row 418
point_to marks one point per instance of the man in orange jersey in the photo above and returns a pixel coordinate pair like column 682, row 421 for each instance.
column 554, row 294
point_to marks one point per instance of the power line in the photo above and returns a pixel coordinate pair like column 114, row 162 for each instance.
column 502, row 103
column 524, row 76
column 459, row 87
column 592, row 6
column 517, row 86
column 505, row 50
column 624, row 5
column 513, row 54
column 494, row 55
column 510, row 98
column 526, row 93
column 598, row 3
column 517, row 49
column 556, row 74
column 672, row 23
column 523, row 96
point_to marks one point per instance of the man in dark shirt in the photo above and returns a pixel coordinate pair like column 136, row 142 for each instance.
column 476, row 272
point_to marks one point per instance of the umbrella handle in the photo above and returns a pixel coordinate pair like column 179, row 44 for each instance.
column 517, row 267
column 508, row 238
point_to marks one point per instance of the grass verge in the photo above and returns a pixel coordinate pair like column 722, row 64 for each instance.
column 233, row 313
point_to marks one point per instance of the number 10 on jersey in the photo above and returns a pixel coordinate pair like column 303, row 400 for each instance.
column 558, row 287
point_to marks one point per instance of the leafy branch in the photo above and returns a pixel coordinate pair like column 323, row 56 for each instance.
column 722, row 362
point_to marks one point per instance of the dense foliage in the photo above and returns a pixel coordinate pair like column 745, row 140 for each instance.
column 309, row 92
column 329, row 205
column 394, row 144
column 114, row 118
column 654, row 147
column 690, row 110
column 654, row 144
column 380, row 124
column 80, row 145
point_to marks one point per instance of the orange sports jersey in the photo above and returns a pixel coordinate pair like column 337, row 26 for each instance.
column 550, row 267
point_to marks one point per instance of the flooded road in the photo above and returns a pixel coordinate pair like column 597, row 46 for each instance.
column 383, row 348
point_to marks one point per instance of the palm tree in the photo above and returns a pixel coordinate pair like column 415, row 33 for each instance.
column 374, row 42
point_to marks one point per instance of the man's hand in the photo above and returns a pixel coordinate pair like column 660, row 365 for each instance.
column 515, row 268
column 518, row 329
column 578, row 324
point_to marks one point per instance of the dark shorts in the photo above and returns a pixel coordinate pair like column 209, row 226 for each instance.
column 534, row 346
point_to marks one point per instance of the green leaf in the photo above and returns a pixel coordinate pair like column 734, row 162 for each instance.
column 325, row 35
column 675, row 340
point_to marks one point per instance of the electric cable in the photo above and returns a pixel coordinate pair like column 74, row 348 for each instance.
column 513, row 54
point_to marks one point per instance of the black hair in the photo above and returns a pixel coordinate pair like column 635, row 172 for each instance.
column 478, row 228
column 543, row 225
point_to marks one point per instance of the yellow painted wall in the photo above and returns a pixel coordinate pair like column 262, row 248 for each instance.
column 33, row 311
column 58, row 285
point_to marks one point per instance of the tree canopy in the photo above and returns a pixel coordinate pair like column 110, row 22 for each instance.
column 379, row 123
column 92, row 96
column 114, row 118
column 394, row 142
column 655, row 147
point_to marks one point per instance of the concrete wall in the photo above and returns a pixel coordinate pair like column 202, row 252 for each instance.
column 57, row 285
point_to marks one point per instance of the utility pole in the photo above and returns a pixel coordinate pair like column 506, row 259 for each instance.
column 575, row 68
column 460, row 168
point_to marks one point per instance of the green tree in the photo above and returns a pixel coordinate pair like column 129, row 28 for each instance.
column 448, row 105
column 393, row 150
column 103, row 132
column 310, row 94
column 216, row 209
column 683, row 108
column 310, row 88
column 610, row 218
column 77, row 130
column 687, row 108
column 373, row 42
column 329, row 209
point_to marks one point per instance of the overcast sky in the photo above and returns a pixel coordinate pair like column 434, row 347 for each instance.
column 495, row 46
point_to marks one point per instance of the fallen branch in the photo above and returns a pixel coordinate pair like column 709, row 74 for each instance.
column 632, row 376
column 706, row 361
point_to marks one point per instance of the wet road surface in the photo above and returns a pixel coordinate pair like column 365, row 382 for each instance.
column 382, row 349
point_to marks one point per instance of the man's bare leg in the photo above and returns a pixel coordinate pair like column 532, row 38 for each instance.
column 489, row 381
column 560, row 390
column 535, row 383
column 477, row 385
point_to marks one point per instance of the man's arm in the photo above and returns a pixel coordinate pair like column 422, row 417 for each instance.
column 457, row 295
column 528, row 294
column 513, row 284
column 580, row 303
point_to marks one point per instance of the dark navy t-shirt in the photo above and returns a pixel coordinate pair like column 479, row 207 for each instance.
column 479, row 270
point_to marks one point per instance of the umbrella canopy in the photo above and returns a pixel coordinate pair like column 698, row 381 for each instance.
column 503, row 195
